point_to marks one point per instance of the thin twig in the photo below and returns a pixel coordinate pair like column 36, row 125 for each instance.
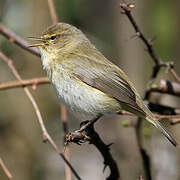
column 67, row 150
column 5, row 169
column 46, row 136
column 55, row 20
column 127, row 8
column 52, row 10
column 13, row 38
column 34, row 82
column 173, row 119
column 127, row 11
column 176, row 76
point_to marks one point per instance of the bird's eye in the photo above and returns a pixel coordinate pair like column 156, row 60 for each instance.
column 53, row 37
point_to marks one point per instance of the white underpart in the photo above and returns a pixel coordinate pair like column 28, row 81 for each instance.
column 78, row 96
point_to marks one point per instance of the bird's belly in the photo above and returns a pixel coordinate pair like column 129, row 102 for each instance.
column 82, row 98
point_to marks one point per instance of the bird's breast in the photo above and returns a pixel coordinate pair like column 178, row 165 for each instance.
column 74, row 93
column 80, row 97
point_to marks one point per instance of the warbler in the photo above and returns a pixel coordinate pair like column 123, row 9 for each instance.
column 85, row 80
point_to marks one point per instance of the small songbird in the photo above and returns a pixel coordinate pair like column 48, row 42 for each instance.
column 85, row 80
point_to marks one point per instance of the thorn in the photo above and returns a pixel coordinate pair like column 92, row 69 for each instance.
column 108, row 145
column 105, row 166
column 150, row 42
column 153, row 39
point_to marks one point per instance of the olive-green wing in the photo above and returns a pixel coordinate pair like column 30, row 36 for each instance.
column 106, row 78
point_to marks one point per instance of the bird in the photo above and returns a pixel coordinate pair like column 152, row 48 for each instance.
column 85, row 80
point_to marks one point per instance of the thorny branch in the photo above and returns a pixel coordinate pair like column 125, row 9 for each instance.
column 126, row 9
column 87, row 133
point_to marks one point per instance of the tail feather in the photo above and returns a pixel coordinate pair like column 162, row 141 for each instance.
column 163, row 130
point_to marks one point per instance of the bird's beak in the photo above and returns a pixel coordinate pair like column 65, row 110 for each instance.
column 38, row 41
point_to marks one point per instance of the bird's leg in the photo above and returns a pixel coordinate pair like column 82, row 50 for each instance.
column 81, row 135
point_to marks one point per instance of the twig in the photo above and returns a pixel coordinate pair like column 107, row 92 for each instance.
column 52, row 10
column 5, row 169
column 162, row 109
column 28, row 82
column 175, row 74
column 127, row 11
column 127, row 8
column 67, row 150
column 46, row 136
column 13, row 38
column 168, row 87
column 55, row 20
column 173, row 119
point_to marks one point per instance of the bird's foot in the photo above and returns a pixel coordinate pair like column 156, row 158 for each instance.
column 79, row 136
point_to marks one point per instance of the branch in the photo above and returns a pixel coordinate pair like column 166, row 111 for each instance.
column 158, row 64
column 173, row 119
column 23, row 83
column 52, row 10
column 55, row 20
column 127, row 11
column 67, row 150
column 127, row 8
column 162, row 109
column 46, row 136
column 173, row 72
column 89, row 134
column 13, row 38
column 5, row 169
column 167, row 87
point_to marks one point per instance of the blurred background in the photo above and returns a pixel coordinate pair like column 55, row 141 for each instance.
column 21, row 146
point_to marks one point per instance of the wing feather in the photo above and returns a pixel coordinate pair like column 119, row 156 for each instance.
column 106, row 78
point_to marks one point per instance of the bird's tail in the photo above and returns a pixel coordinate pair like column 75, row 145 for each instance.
column 163, row 130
